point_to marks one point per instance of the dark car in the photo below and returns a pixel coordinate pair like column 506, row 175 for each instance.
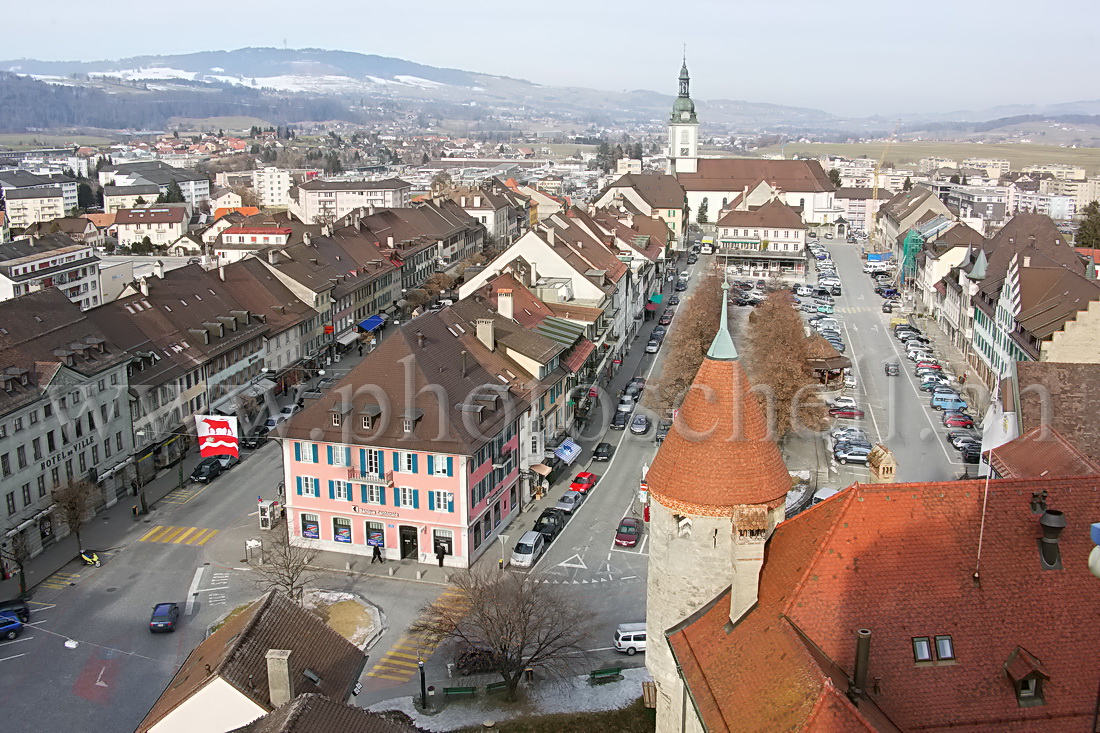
column 972, row 453
column 659, row 332
column 692, row 259
column 619, row 421
column 663, row 426
column 628, row 531
column 10, row 625
column 638, row 383
column 550, row 524
column 475, row 660
column 848, row 413
column 603, row 452
column 674, row 300
column 18, row 607
column 681, row 286
column 164, row 617
column 640, row 425
column 955, row 434
column 207, row 470
column 256, row 438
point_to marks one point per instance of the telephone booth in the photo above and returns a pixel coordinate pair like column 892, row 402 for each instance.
column 269, row 514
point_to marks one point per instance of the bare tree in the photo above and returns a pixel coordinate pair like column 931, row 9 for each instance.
column 247, row 194
column 437, row 282
column 74, row 503
column 688, row 341
column 520, row 622
column 285, row 567
column 777, row 360
column 16, row 552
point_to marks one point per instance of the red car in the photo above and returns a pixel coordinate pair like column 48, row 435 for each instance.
column 628, row 532
column 955, row 420
column 583, row 482
column 928, row 365
column 849, row 413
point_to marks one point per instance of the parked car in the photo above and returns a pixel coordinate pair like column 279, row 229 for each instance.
column 665, row 319
column 827, row 309
column 957, row 420
column 164, row 617
column 274, row 421
column 681, row 286
column 550, row 523
column 930, row 385
column 528, row 549
column 659, row 332
column 638, row 383
column 603, row 452
column 653, row 346
column 18, row 607
column 639, row 425
column 847, row 413
column 844, row 401
column 852, row 454
column 569, row 501
column 674, row 300
column 663, row 426
column 207, row 470
column 619, row 421
column 628, row 532
column 626, row 404
column 848, row 432
column 227, row 461
column 10, row 625
column 255, row 438
column 962, row 441
column 893, row 369
column 692, row 258
column 584, row 481
column 972, row 453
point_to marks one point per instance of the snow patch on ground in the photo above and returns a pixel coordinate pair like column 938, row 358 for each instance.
column 163, row 73
column 416, row 81
column 315, row 598
column 572, row 695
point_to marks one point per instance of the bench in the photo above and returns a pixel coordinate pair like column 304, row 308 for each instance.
column 496, row 686
column 602, row 675
column 459, row 691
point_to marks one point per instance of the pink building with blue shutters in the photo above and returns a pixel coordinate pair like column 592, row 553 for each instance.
column 439, row 474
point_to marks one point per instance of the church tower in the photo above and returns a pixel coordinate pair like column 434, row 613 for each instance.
column 717, row 490
column 683, row 130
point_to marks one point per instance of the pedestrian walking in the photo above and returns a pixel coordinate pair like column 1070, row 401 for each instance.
column 360, row 349
column 377, row 556
column 440, row 553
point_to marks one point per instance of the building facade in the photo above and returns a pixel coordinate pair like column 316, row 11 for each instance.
column 31, row 264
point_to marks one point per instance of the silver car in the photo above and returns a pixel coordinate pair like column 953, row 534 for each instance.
column 569, row 501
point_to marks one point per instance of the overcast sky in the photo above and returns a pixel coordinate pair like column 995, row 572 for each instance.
column 846, row 57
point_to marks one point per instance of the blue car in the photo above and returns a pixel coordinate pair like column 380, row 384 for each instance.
column 10, row 625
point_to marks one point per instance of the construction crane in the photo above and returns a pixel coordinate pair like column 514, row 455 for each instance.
column 874, row 184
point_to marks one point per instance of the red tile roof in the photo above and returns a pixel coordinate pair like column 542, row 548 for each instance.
column 581, row 351
column 246, row 210
column 733, row 174
column 774, row 214
column 900, row 560
column 1041, row 451
column 719, row 454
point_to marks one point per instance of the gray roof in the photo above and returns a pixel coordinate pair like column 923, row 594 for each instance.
column 38, row 192
column 150, row 188
column 313, row 713
column 154, row 171
column 34, row 246
column 318, row 185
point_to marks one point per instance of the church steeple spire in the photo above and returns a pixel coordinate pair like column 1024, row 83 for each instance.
column 685, row 79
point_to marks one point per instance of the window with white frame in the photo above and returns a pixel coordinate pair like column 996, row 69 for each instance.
column 406, row 425
column 311, row 486
column 441, row 465
column 407, row 460
column 366, row 422
column 374, row 493
column 372, row 463
column 442, row 500
column 342, row 490
column 406, row 496
column 306, row 452
column 336, row 419
column 339, row 456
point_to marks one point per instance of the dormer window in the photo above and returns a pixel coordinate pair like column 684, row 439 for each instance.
column 409, row 418
column 407, row 424
column 336, row 419
column 1027, row 675
column 367, row 422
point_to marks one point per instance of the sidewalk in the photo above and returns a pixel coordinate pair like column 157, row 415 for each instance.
column 955, row 361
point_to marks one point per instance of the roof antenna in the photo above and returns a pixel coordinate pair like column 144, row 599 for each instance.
column 981, row 531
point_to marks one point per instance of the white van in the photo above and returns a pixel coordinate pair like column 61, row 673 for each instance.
column 528, row 550
column 630, row 638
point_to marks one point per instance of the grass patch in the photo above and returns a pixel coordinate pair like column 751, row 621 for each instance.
column 235, row 612
column 213, row 124
column 634, row 718
column 25, row 140
column 901, row 153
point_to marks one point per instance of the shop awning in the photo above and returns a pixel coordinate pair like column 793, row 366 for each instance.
column 568, row 451
column 651, row 306
column 541, row 469
column 657, row 298
column 561, row 330
column 348, row 338
column 579, row 355
column 372, row 323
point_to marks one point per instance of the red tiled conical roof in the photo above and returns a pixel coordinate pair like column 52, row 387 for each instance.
column 718, row 454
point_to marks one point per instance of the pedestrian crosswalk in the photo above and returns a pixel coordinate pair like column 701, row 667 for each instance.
column 59, row 580
column 859, row 309
column 178, row 535
column 184, row 495
column 400, row 662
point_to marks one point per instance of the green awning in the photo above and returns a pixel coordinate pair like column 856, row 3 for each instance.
column 560, row 330
column 656, row 298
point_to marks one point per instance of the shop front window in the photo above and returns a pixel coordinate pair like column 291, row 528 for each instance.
column 311, row 527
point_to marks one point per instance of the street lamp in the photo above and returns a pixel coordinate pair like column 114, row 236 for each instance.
column 423, row 684
column 503, row 539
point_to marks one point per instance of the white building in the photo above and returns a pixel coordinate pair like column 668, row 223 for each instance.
column 30, row 264
column 26, row 206
column 320, row 201
column 194, row 186
column 128, row 197
column 272, row 187
column 16, row 179
column 163, row 225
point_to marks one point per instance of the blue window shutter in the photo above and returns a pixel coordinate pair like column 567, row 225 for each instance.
column 298, row 451
column 315, row 452
column 431, row 501
column 328, row 449
column 396, row 496
column 347, row 456
column 396, row 460
column 298, row 483
column 414, row 457
column 331, row 489
column 431, row 465
column 450, row 466
column 363, row 492
column 382, row 461
column 382, row 496
column 450, row 502
column 416, row 498
column 363, row 463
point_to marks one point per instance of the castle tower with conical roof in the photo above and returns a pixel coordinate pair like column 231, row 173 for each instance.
column 717, row 490
column 683, row 130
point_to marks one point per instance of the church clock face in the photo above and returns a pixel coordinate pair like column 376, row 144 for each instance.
column 683, row 151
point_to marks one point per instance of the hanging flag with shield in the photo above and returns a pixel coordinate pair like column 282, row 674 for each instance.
column 217, row 435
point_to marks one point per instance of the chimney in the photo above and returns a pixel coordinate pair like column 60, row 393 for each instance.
column 420, row 339
column 857, row 686
column 550, row 234
column 158, row 269
column 273, row 257
column 389, row 242
column 1052, row 522
column 370, row 210
column 143, row 284
column 464, row 363
column 486, row 333
column 504, row 303
column 1027, row 261
column 477, row 202
column 307, row 239
column 534, row 274
column 280, row 687
column 464, row 202
column 221, row 273
column 326, row 230
column 580, row 244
